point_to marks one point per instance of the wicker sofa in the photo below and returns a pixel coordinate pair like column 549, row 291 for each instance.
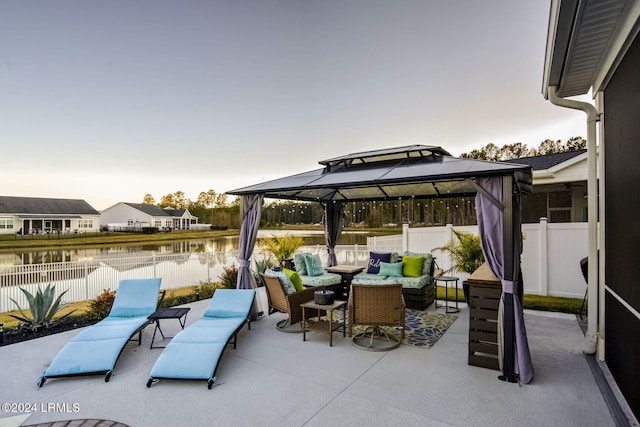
column 418, row 289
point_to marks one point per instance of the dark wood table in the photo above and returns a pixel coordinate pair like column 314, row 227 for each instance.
column 179, row 313
column 346, row 272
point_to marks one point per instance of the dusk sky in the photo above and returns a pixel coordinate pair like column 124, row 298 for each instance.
column 107, row 101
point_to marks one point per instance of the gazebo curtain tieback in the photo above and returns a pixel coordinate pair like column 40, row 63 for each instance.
column 507, row 286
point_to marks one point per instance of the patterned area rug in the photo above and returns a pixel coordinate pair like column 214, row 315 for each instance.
column 422, row 329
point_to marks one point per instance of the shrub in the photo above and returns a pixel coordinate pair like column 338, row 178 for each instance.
column 205, row 290
column 43, row 308
column 230, row 277
column 100, row 307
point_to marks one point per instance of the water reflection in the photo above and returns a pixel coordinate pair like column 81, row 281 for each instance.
column 198, row 246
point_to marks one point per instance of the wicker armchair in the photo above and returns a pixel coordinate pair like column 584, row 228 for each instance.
column 376, row 306
column 280, row 301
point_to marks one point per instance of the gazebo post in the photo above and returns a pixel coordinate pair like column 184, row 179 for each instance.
column 508, row 317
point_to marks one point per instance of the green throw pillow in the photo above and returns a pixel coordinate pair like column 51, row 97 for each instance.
column 428, row 260
column 295, row 279
column 391, row 269
column 412, row 266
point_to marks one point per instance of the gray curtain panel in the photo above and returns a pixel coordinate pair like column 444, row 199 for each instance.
column 491, row 223
column 251, row 211
column 333, row 223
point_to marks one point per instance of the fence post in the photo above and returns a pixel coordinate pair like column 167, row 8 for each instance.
column 544, row 258
column 154, row 264
column 405, row 237
column 86, row 280
column 355, row 254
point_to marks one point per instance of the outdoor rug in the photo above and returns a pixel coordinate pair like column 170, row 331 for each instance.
column 422, row 329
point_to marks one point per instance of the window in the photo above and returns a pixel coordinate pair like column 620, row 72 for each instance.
column 85, row 223
column 559, row 206
column 6, row 223
column 555, row 205
column 158, row 224
column 168, row 223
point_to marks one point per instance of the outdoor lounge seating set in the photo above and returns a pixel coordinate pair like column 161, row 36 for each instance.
column 194, row 353
column 414, row 271
column 371, row 305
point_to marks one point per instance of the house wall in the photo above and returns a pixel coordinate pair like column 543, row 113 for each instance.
column 122, row 213
column 69, row 225
column 622, row 233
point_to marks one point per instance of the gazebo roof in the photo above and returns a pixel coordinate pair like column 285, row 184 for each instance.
column 400, row 172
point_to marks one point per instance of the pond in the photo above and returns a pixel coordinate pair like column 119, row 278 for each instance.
column 218, row 244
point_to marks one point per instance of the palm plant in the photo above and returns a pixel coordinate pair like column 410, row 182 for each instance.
column 465, row 250
column 42, row 307
column 282, row 247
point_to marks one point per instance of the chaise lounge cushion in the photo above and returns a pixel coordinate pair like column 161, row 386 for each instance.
column 194, row 353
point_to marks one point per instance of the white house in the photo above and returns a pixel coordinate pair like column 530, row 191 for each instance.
column 559, row 187
column 134, row 216
column 35, row 215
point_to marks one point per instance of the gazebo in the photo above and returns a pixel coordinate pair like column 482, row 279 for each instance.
column 415, row 171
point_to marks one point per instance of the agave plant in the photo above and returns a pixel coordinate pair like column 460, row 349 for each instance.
column 261, row 266
column 43, row 308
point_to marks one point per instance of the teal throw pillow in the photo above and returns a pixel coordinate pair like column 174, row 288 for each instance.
column 284, row 280
column 412, row 266
column 391, row 269
column 300, row 263
column 314, row 265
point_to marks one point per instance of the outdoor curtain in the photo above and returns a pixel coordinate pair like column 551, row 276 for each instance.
column 333, row 223
column 251, row 206
column 490, row 211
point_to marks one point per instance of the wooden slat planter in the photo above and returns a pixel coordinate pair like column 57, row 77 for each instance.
column 485, row 291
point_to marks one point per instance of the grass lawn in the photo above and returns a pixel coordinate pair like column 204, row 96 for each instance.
column 10, row 242
column 532, row 302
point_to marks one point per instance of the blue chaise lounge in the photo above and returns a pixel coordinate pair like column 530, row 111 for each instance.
column 96, row 349
column 194, row 353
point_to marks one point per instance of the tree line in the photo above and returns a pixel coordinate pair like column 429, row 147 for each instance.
column 215, row 208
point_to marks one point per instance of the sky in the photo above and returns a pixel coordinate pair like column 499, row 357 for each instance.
column 107, row 101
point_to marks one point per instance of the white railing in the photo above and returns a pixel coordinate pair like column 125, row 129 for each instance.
column 85, row 280
column 550, row 258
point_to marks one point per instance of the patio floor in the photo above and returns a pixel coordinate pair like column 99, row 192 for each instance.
column 276, row 379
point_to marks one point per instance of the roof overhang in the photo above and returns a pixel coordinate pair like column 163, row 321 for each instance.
column 50, row 217
column 585, row 42
column 397, row 173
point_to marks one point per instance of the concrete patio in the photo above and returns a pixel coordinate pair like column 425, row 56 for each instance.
column 276, row 379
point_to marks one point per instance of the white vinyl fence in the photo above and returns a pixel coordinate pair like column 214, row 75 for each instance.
column 85, row 280
column 550, row 258
column 550, row 264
